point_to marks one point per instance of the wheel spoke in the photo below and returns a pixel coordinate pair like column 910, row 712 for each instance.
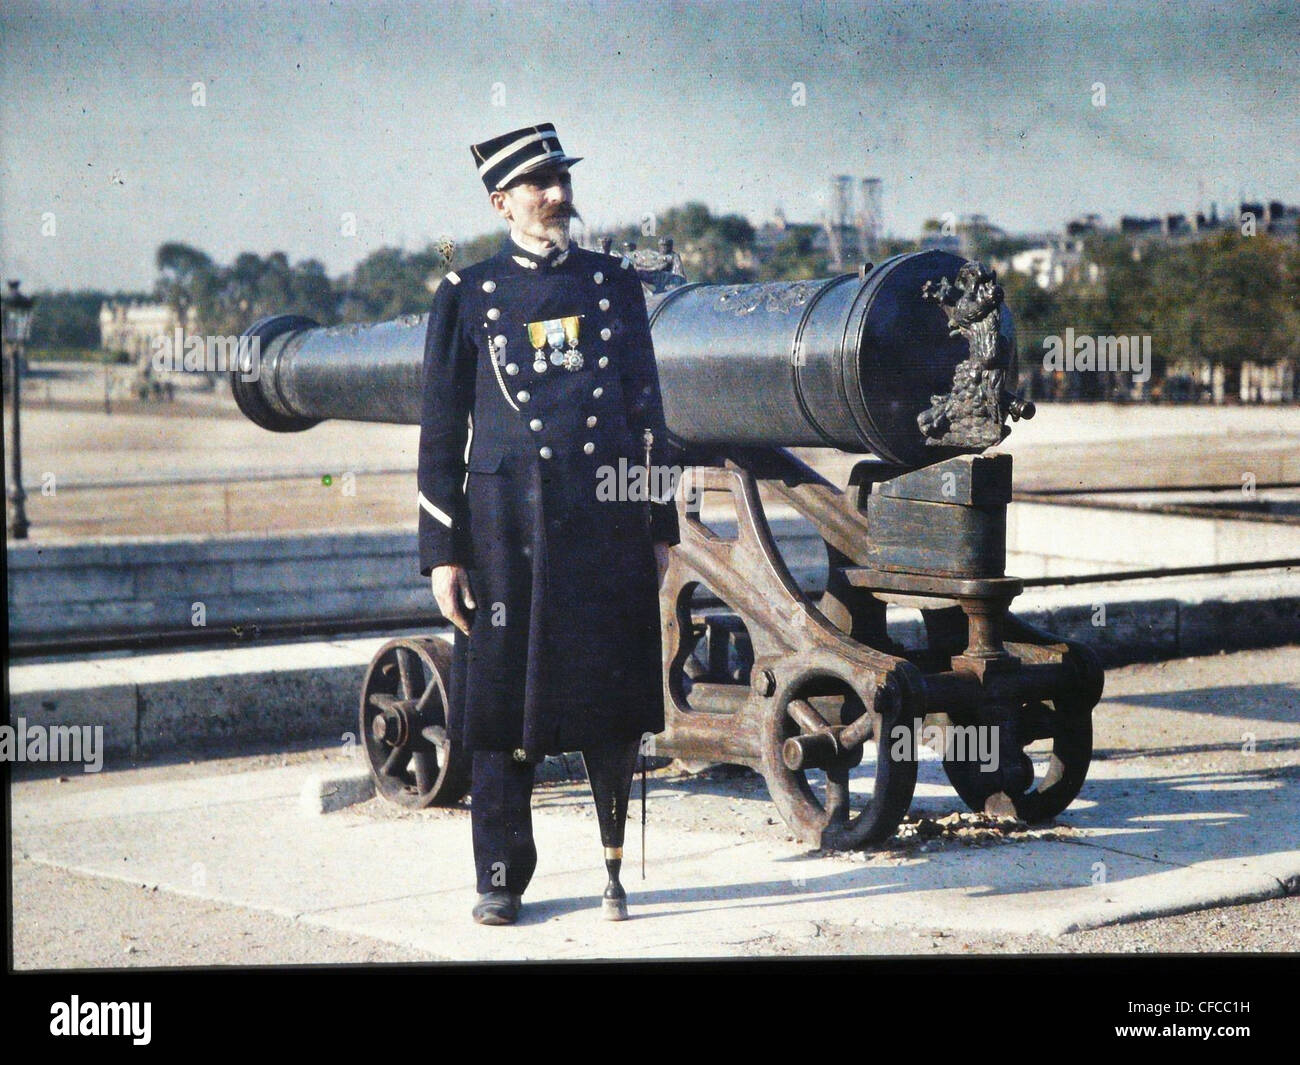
column 806, row 717
column 405, row 668
column 396, row 761
column 426, row 771
column 837, row 794
column 430, row 706
column 383, row 701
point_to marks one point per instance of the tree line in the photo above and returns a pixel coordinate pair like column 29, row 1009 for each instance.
column 1226, row 298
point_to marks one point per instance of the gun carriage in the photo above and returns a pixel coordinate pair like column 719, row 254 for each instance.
column 908, row 363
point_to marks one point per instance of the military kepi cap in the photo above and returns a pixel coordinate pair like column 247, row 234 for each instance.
column 504, row 158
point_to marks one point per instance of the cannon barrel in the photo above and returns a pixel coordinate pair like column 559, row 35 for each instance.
column 851, row 362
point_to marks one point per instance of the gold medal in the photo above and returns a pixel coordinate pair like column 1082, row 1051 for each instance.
column 550, row 337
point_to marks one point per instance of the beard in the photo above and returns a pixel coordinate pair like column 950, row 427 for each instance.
column 555, row 224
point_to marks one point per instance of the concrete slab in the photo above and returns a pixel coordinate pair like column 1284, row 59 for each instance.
column 151, row 703
column 1193, row 801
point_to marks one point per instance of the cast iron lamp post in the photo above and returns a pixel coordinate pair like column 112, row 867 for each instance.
column 17, row 328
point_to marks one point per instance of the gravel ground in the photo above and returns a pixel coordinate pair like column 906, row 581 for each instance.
column 147, row 928
column 68, row 921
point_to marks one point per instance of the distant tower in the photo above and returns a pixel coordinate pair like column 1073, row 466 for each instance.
column 870, row 218
column 841, row 200
column 833, row 244
column 839, row 224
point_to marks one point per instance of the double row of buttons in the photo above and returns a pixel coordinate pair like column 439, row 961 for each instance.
column 498, row 343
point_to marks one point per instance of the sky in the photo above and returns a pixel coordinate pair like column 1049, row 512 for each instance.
column 314, row 113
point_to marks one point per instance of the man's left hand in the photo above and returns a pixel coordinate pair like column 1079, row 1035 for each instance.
column 661, row 560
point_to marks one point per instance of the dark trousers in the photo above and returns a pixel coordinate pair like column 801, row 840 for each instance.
column 501, row 814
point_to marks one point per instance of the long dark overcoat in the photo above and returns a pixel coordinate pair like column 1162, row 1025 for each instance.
column 564, row 647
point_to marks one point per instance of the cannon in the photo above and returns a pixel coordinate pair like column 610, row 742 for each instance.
column 910, row 364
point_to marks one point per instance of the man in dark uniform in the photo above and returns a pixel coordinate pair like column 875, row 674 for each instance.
column 540, row 393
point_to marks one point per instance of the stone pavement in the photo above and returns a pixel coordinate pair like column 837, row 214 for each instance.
column 1193, row 801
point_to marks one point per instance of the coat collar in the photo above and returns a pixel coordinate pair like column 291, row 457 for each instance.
column 531, row 261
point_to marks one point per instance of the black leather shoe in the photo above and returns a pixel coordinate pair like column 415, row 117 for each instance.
column 497, row 907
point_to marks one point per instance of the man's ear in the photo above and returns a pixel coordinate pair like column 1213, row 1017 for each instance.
column 499, row 203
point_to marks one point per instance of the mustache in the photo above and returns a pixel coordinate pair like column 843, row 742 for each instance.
column 564, row 211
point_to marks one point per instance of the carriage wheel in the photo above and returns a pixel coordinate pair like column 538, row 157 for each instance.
column 1035, row 796
column 809, row 778
column 404, row 724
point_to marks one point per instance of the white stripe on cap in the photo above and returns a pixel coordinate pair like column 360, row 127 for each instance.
column 532, row 164
column 514, row 146
column 439, row 515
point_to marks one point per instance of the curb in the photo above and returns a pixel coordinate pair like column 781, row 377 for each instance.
column 152, row 704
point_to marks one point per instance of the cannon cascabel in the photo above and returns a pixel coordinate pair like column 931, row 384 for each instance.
column 906, row 360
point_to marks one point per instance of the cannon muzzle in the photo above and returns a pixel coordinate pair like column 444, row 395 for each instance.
column 907, row 360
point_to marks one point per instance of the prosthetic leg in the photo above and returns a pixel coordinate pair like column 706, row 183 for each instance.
column 610, row 769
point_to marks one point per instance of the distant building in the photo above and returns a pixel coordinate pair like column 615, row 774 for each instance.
column 1273, row 217
column 1083, row 226
column 1053, row 264
column 132, row 327
column 771, row 233
column 1268, row 382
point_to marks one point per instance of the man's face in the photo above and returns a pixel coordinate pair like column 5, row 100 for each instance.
column 539, row 205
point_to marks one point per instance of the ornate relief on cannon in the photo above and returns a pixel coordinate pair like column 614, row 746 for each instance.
column 973, row 413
